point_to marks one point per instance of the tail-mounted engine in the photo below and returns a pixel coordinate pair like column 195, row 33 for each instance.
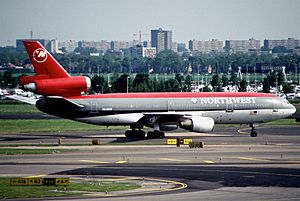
column 70, row 86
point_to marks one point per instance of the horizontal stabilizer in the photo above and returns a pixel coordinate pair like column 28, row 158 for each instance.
column 23, row 99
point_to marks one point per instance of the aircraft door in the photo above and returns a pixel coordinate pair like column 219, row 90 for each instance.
column 228, row 116
column 93, row 107
column 171, row 105
column 275, row 108
column 229, row 107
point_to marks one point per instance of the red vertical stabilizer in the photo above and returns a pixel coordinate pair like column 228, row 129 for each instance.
column 51, row 79
column 43, row 62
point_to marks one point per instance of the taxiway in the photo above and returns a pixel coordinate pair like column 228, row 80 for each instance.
column 231, row 166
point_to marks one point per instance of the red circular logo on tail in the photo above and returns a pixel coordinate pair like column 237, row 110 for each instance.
column 40, row 55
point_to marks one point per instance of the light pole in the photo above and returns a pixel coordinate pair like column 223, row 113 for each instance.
column 255, row 81
column 198, row 76
column 127, row 84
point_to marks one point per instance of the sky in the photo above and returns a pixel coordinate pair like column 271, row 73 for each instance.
column 122, row 19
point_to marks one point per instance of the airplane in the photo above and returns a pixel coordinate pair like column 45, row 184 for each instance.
column 65, row 96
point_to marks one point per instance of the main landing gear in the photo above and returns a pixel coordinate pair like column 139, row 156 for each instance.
column 140, row 134
column 253, row 133
column 155, row 134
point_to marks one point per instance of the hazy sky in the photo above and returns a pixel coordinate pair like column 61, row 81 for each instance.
column 120, row 19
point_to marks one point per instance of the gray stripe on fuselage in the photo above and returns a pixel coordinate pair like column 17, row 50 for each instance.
column 128, row 105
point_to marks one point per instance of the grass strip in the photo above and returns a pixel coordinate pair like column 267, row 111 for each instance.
column 18, row 109
column 283, row 122
column 44, row 125
column 9, row 126
column 75, row 188
column 5, row 151
column 42, row 145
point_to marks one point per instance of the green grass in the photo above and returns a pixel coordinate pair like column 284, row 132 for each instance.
column 42, row 145
column 18, row 109
column 283, row 122
column 61, row 125
column 5, row 151
column 11, row 192
column 43, row 125
column 9, row 126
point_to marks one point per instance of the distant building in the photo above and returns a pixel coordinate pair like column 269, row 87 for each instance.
column 102, row 45
column 149, row 52
column 146, row 43
column 297, row 51
column 119, row 45
column 174, row 46
column 242, row 45
column 54, row 46
column 161, row 39
column 50, row 45
column 253, row 45
column 289, row 44
column 140, row 51
column 68, row 46
column 206, row 46
column 181, row 47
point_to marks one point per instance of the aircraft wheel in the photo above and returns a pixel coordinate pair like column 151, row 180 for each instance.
column 140, row 134
column 159, row 134
column 253, row 134
column 129, row 134
column 150, row 135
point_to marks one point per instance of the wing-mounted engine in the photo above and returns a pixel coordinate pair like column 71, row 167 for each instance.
column 198, row 124
column 70, row 86
column 168, row 126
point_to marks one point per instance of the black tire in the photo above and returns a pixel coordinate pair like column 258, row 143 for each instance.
column 150, row 135
column 128, row 134
column 140, row 134
column 253, row 134
column 161, row 135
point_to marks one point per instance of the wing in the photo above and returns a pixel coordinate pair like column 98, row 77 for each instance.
column 23, row 99
column 167, row 121
column 151, row 119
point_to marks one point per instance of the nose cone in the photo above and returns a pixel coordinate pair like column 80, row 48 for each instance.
column 290, row 110
column 293, row 109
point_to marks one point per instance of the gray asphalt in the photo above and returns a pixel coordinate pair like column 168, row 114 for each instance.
column 231, row 166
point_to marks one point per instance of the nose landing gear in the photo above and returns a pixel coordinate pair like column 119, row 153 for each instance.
column 253, row 133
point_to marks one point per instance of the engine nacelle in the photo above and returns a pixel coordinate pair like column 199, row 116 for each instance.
column 71, row 86
column 167, row 127
column 198, row 124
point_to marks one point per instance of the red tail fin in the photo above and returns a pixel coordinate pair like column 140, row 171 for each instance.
column 43, row 62
column 51, row 79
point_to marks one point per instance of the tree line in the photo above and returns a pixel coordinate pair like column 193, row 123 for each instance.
column 165, row 62
column 180, row 83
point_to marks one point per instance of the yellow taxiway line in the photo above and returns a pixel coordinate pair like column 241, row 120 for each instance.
column 91, row 161
column 252, row 159
column 209, row 162
column 180, row 186
column 120, row 162
column 172, row 159
column 34, row 176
